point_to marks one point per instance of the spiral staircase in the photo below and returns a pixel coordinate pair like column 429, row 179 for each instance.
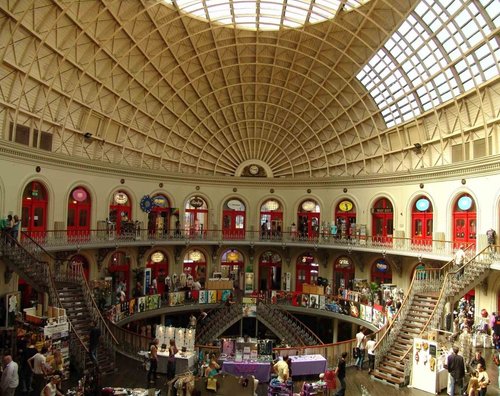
column 422, row 312
column 67, row 288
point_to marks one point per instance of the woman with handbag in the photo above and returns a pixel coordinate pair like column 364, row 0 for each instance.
column 483, row 380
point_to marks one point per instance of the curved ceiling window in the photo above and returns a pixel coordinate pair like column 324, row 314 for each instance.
column 442, row 50
column 265, row 14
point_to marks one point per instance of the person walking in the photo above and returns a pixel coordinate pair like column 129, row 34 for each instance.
column 94, row 337
column 459, row 261
column 360, row 348
column 153, row 360
column 370, row 348
column 16, row 223
column 10, row 376
column 340, row 373
column 456, row 368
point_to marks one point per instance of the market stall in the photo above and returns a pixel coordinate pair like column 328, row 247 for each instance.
column 301, row 365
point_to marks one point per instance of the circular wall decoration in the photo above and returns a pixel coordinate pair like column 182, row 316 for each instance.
column 79, row 195
column 465, row 202
column 146, row 204
column 422, row 204
column 345, row 206
column 120, row 198
column 253, row 170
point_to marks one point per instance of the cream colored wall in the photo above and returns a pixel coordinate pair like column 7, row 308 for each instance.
column 60, row 181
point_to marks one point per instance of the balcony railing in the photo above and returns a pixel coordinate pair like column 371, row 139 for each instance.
column 57, row 239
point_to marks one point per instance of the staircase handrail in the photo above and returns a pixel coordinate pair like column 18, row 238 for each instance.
column 96, row 312
column 207, row 329
column 288, row 314
column 398, row 314
column 123, row 345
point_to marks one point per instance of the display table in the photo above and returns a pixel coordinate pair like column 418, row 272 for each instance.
column 260, row 370
column 307, row 365
column 183, row 363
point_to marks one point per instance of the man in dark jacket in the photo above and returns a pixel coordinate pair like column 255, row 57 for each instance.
column 456, row 368
column 340, row 371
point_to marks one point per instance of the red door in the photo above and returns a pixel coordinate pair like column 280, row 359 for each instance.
column 382, row 221
column 118, row 212
column 306, row 271
column 78, row 221
column 422, row 222
column 345, row 218
column 34, row 210
column 269, row 271
column 464, row 221
column 233, row 224
column 309, row 224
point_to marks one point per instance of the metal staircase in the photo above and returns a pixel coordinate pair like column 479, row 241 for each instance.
column 422, row 311
column 217, row 321
column 67, row 289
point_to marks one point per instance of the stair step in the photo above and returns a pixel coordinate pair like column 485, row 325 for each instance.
column 389, row 378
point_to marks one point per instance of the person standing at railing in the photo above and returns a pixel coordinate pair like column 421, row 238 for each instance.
column 16, row 223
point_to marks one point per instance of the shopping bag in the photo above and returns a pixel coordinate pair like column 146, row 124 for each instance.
column 212, row 384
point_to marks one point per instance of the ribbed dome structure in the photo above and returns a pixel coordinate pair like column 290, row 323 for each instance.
column 324, row 89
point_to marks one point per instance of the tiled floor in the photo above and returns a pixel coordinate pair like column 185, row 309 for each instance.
column 131, row 374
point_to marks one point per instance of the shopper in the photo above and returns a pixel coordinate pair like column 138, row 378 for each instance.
column 456, row 368
column 172, row 351
column 51, row 388
column 370, row 348
column 360, row 348
column 94, row 337
column 340, row 372
column 281, row 369
column 16, row 222
column 473, row 387
column 484, row 380
column 10, row 376
column 153, row 360
column 478, row 359
column 38, row 365
column 459, row 260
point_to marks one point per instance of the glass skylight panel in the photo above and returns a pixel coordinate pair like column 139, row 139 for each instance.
column 427, row 60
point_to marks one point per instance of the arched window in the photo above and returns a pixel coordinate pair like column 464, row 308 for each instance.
column 464, row 220
column 79, row 205
column 159, row 217
column 196, row 217
column 307, row 270
column 381, row 272
column 270, row 271
column 34, row 210
column 233, row 219
column 343, row 273
column 120, row 209
column 271, row 220
column 345, row 219
column 422, row 221
column 308, row 219
column 232, row 266
column 158, row 262
column 382, row 221
column 195, row 264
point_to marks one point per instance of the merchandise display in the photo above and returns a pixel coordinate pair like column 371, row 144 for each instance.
column 307, row 365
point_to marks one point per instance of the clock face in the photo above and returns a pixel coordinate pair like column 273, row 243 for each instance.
column 253, row 169
column 345, row 206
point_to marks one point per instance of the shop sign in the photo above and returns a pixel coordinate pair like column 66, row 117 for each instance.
column 235, row 204
column 157, row 257
column 345, row 206
column 343, row 262
column 120, row 198
column 381, row 266
column 60, row 328
column 422, row 204
column 308, row 206
column 465, row 202
column 196, row 202
column 160, row 201
column 79, row 195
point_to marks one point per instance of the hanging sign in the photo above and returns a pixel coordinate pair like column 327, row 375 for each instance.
column 196, row 202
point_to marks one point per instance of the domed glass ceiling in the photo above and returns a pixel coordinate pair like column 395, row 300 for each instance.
column 265, row 14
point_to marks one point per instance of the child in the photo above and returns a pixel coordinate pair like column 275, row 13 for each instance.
column 473, row 387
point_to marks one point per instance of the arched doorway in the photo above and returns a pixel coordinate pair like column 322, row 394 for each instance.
column 232, row 266
column 158, row 262
column 77, row 260
column 233, row 219
column 79, row 206
column 308, row 219
column 119, row 270
column 343, row 273
column 307, row 271
column 269, row 271
column 119, row 209
column 345, row 218
column 464, row 220
column 422, row 221
column 271, row 219
column 195, row 264
column 382, row 221
column 34, row 210
column 196, row 217
column 159, row 217
column 381, row 272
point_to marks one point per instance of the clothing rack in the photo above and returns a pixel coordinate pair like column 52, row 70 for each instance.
column 170, row 383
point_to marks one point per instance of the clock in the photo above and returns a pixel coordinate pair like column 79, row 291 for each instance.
column 253, row 169
column 345, row 206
